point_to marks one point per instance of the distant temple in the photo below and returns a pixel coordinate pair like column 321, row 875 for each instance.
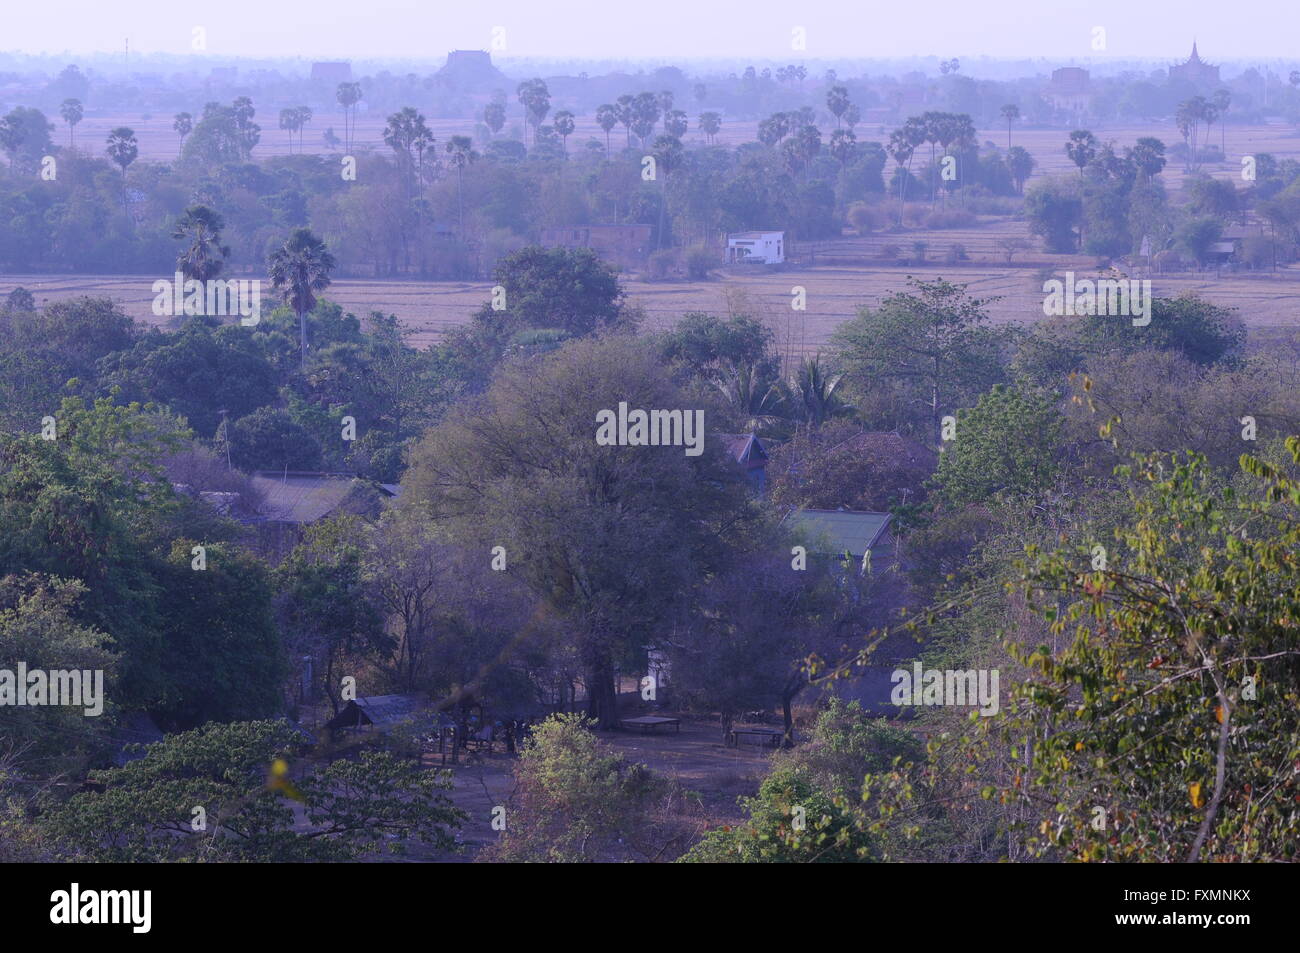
column 470, row 69
column 1196, row 71
column 1070, row 91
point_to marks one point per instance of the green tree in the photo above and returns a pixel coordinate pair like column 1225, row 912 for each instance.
column 71, row 111
column 39, row 628
column 247, row 778
column 523, row 470
column 298, row 269
column 123, row 149
column 1009, row 442
column 200, row 228
column 929, row 347
column 577, row 800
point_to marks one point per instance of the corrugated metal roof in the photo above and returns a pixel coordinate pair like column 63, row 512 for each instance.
column 834, row 532
column 301, row 497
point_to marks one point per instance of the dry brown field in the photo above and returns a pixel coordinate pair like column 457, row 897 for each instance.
column 834, row 293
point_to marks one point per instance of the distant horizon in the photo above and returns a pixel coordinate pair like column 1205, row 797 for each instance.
column 672, row 30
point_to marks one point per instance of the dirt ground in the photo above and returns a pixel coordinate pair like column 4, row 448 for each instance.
column 695, row 757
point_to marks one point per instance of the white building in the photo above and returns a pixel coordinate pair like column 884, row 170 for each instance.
column 766, row 248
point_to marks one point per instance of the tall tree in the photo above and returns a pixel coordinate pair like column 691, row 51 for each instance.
column 123, row 149
column 461, row 151
column 837, row 100
column 71, row 111
column 183, row 125
column 203, row 256
column 298, row 269
column 564, row 125
column 1010, row 112
column 348, row 95
column 607, row 119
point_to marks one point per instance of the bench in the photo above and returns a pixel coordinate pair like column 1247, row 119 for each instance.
column 652, row 723
column 765, row 736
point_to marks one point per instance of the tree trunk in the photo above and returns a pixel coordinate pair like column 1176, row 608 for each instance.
column 302, row 336
column 602, row 699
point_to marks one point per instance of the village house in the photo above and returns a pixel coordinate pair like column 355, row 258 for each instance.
column 750, row 455
column 860, row 537
column 756, row 248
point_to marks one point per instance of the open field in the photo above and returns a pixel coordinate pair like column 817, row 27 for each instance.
column 834, row 291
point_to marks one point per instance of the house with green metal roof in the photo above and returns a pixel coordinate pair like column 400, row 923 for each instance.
column 840, row 533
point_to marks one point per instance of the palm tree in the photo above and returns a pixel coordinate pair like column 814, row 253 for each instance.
column 71, row 112
column 607, row 119
column 564, row 124
column 494, row 116
column 843, row 145
column 1010, row 112
column 288, row 121
column 675, row 123
column 1188, row 116
column 751, row 394
column 461, row 150
column 298, row 269
column 405, row 132
column 1221, row 100
column 204, row 254
column 183, row 124
column 626, row 114
column 710, row 124
column 1081, row 147
column 668, row 154
column 813, row 393
column 302, row 119
column 837, row 100
column 348, row 95
column 123, row 149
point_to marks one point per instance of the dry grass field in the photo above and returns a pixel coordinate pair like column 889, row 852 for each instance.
column 834, row 293
column 839, row 276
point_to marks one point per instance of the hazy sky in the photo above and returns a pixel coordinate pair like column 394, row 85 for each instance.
column 660, row 29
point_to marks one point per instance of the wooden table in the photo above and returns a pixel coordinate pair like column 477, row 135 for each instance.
column 652, row 723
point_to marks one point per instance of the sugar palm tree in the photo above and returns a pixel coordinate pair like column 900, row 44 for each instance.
column 837, row 100
column 710, row 124
column 202, row 258
column 1010, row 112
column 71, row 111
column 348, row 95
column 298, row 269
column 1081, row 147
column 564, row 125
column 607, row 119
column 461, row 151
column 183, row 124
column 123, row 149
